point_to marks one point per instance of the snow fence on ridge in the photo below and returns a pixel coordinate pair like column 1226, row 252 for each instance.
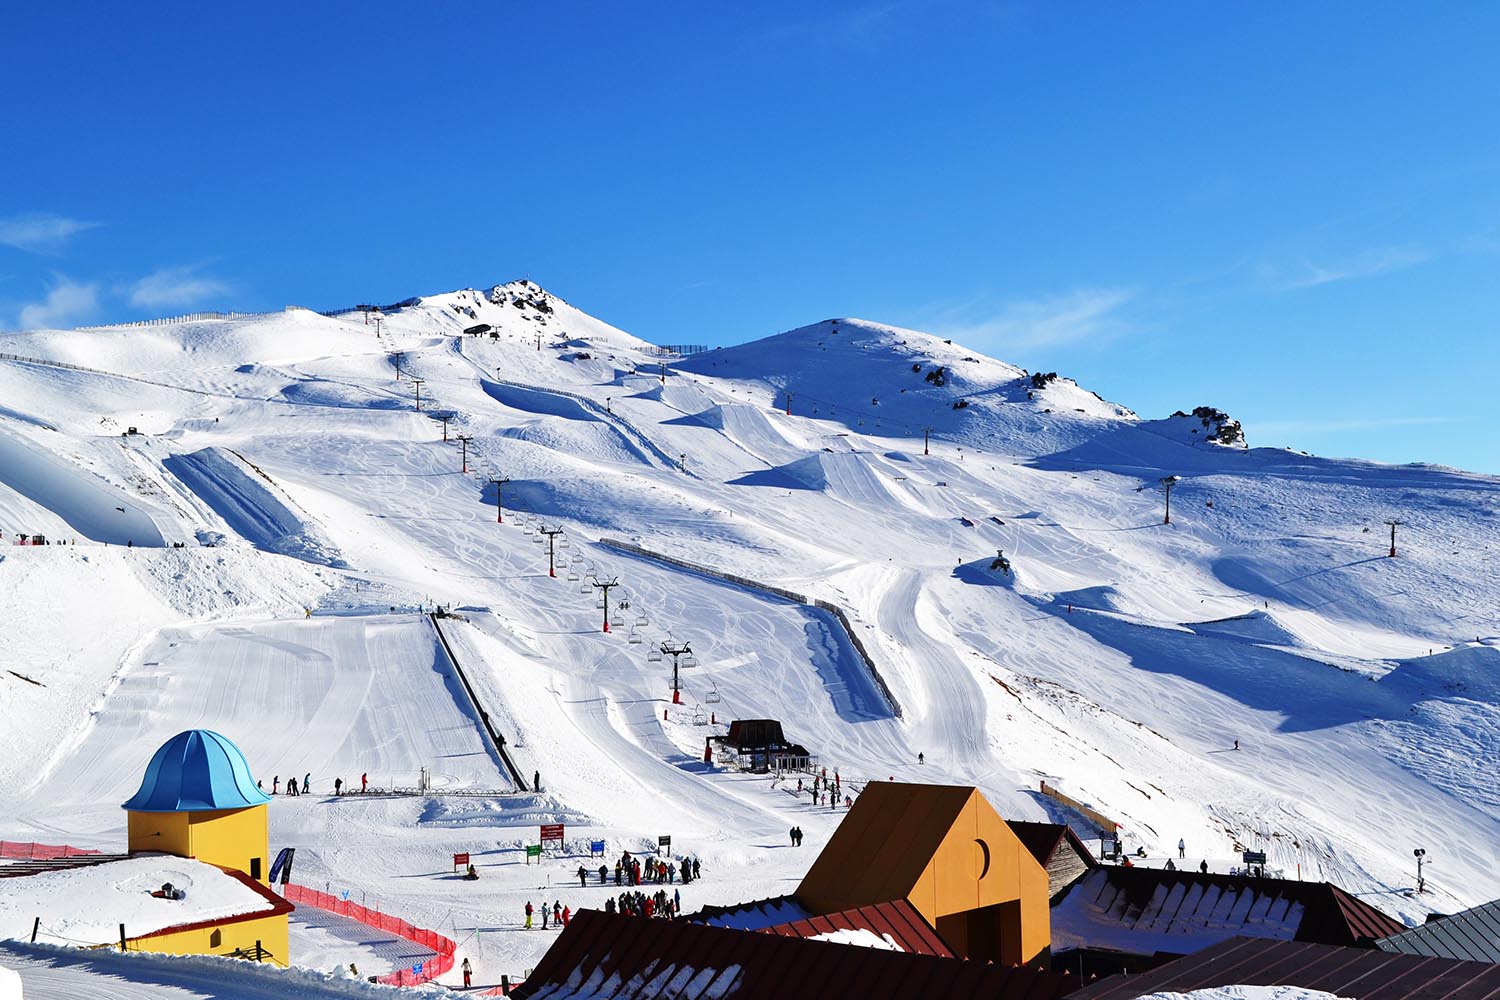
column 788, row 595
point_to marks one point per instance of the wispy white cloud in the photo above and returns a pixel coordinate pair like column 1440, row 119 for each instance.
column 1370, row 263
column 67, row 304
column 40, row 233
column 173, row 287
column 1313, row 425
column 1085, row 315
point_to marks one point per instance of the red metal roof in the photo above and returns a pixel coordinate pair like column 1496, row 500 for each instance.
column 899, row 921
column 604, row 956
column 1357, row 973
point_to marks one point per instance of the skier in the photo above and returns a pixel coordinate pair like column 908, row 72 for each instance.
column 471, row 874
column 544, row 916
column 697, row 870
column 291, row 786
column 468, row 973
column 536, row 782
column 583, row 876
column 1236, row 744
column 338, row 784
column 528, row 914
column 1181, row 848
column 307, row 783
column 275, row 784
column 794, row 836
column 556, row 912
column 921, row 758
column 566, row 914
column 364, row 783
column 603, row 873
column 1203, row 867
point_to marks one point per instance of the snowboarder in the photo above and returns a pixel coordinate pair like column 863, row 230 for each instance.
column 468, row 974
column 364, row 783
column 1236, row 744
column 528, row 914
column 1181, row 848
column 471, row 874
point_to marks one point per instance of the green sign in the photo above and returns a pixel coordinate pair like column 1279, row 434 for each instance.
column 533, row 851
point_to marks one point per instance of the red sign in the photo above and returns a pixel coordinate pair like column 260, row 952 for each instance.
column 461, row 860
column 552, row 831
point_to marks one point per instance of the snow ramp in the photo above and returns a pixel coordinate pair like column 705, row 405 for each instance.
column 851, row 476
column 252, row 505
column 90, row 505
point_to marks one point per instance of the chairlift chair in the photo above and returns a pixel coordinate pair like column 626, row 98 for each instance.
column 585, row 587
column 635, row 637
column 640, row 619
column 653, row 655
column 713, row 694
column 573, row 574
column 562, row 542
column 688, row 660
column 600, row 602
column 617, row 619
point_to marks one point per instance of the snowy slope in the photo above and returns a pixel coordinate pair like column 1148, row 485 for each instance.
column 1119, row 660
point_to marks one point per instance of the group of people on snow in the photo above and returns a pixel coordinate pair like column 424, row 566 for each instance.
column 560, row 914
column 638, row 904
column 292, row 788
column 634, row 871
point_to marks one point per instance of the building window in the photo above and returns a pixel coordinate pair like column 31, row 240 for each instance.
column 255, row 868
column 216, row 939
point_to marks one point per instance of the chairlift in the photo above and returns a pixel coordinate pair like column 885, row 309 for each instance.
column 600, row 602
column 700, row 717
column 539, row 538
column 573, row 575
column 687, row 660
column 640, row 619
column 635, row 637
column 562, row 542
column 653, row 655
column 617, row 620
column 713, row 694
column 585, row 587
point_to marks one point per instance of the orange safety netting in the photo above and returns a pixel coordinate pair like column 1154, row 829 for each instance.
column 30, row 851
column 442, row 946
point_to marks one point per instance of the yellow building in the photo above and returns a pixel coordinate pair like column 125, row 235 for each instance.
column 198, row 800
column 944, row 849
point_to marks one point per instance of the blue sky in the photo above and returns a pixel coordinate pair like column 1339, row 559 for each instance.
column 1289, row 211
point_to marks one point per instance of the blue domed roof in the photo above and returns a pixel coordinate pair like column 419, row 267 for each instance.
column 198, row 769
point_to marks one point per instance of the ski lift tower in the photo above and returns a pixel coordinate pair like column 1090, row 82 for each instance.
column 551, row 534
column 499, row 484
column 1167, row 482
column 604, row 589
column 676, row 652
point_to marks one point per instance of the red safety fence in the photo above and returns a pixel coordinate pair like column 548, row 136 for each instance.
column 443, row 947
column 30, row 851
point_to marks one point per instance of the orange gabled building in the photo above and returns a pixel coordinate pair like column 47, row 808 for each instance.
column 945, row 850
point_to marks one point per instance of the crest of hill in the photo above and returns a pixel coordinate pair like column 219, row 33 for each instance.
column 517, row 308
column 895, row 381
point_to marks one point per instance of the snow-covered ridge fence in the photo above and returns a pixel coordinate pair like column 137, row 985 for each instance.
column 169, row 320
column 442, row 947
column 781, row 592
column 496, row 740
column 47, row 363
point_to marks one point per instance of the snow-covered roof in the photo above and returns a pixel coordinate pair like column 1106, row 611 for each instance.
column 194, row 770
column 86, row 906
column 757, row 915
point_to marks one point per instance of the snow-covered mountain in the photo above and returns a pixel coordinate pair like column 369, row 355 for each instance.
column 251, row 556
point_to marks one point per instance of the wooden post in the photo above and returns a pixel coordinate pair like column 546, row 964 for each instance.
column 35, row 926
column 504, row 985
column 122, row 937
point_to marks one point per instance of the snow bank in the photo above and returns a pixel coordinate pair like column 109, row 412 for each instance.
column 87, row 905
column 252, row 505
column 1245, row 993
